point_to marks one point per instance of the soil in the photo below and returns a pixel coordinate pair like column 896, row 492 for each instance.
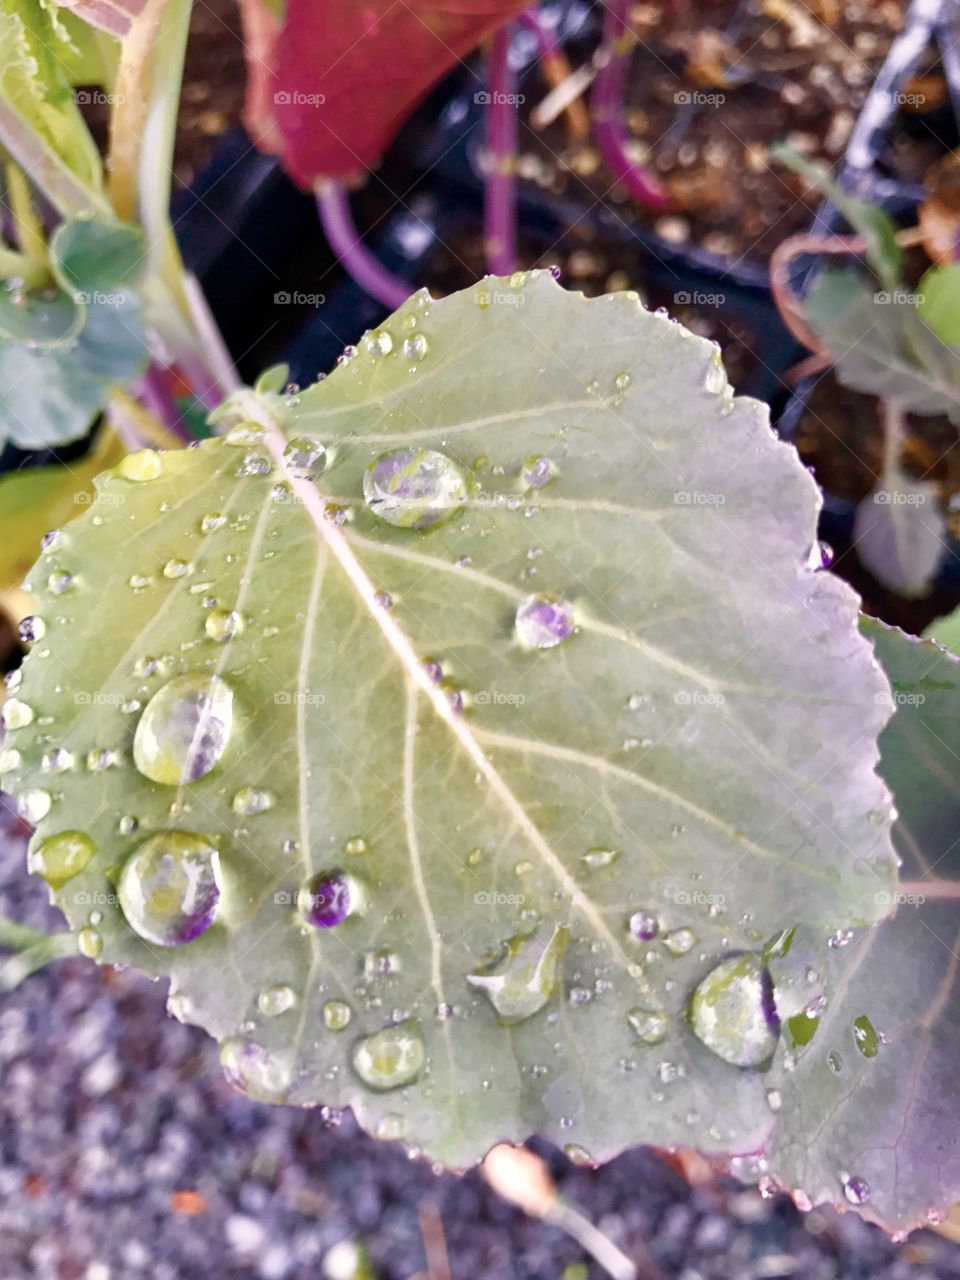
column 703, row 110
column 213, row 86
column 126, row 1156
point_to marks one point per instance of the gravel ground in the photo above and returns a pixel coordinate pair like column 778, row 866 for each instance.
column 126, row 1155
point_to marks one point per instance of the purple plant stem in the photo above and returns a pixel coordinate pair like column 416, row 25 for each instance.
column 152, row 393
column 340, row 229
column 606, row 103
column 546, row 39
column 500, row 198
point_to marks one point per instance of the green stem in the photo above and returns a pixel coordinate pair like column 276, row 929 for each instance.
column 15, row 936
column 18, row 266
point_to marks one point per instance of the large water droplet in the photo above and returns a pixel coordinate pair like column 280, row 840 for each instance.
column 305, row 457
column 336, row 1015
column 415, row 348
column 543, row 621
column 184, row 729
column 392, row 1057
column 60, row 857
column 16, row 714
column 378, row 342
column 170, row 888
column 223, row 624
column 277, row 999
column 329, row 898
column 732, row 1011
column 255, row 1071
column 855, row 1188
column 34, row 805
column 865, row 1036
column 414, row 488
column 527, row 974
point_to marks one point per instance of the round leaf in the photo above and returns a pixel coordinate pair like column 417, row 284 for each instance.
column 88, row 255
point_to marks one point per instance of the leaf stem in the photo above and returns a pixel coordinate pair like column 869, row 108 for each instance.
column 370, row 274
column 15, row 936
column 500, row 195
column 600, row 1247
column 609, row 130
column 566, row 85
column 29, row 228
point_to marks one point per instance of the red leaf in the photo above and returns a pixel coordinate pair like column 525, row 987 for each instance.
column 330, row 84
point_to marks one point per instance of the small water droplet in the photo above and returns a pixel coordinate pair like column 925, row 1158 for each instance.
column 537, row 472
column 378, row 342
column 415, row 347
column 255, row 1071
column 89, row 942
column 16, row 714
column 649, row 1025
column 255, row 464
column 250, row 800
column 52, row 539
column 527, row 974
column 336, row 1015
column 32, row 629
column 842, row 938
column 391, row 1058
column 544, row 621
column 141, row 466
column 176, row 569
column 223, row 624
column 305, row 457
column 10, row 759
column 329, row 898
column 855, row 1189
column 597, row 859
column 679, row 941
column 243, row 434
column 34, row 805
column 732, row 1011
column 355, row 844
column 183, row 731
column 774, row 1099
column 170, row 888
column 58, row 858
column 643, row 924
column 273, row 1001
column 835, row 1061
column 102, row 758
column 414, row 488
column 213, row 521
column 60, row 581
column 865, row 1036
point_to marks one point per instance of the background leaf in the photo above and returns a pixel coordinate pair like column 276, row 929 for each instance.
column 940, row 301
column 326, row 91
column 882, row 1110
column 543, row 850
column 899, row 533
column 89, row 254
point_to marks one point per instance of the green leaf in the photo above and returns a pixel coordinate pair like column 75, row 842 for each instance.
column 946, row 631
column 88, row 254
column 939, row 302
column 48, row 397
column 880, row 345
column 870, row 1102
column 387, row 717
column 877, row 228
column 41, row 318
column 36, row 95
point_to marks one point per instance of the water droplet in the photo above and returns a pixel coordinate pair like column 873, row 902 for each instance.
column 336, row 1015
column 597, row 859
column 10, row 759
column 250, row 800
column 127, row 824
column 52, row 539
column 391, row 1058
column 89, row 942
column 416, row 347
column 255, row 464
column 622, row 381
column 143, row 465
column 643, row 924
column 16, row 714
column 102, row 758
column 715, row 378
column 255, row 1071
column 33, row 806
column 170, row 888
column 212, row 522
column 329, row 898
column 577, row 1154
column 243, row 434
column 414, row 488
column 184, row 729
column 865, row 1036
column 732, row 1011
column 855, row 1188
column 544, row 621
column 842, row 938
column 378, row 342
column 649, row 1025
column 223, row 624
column 355, row 844
column 835, row 1061
column 273, row 1001
column 527, row 974
column 60, row 857
column 32, row 629
column 59, row 582
column 774, row 1099
column 679, row 941
column 57, row 761
column 537, row 472
column 380, row 964
column 176, row 569
column 305, row 457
